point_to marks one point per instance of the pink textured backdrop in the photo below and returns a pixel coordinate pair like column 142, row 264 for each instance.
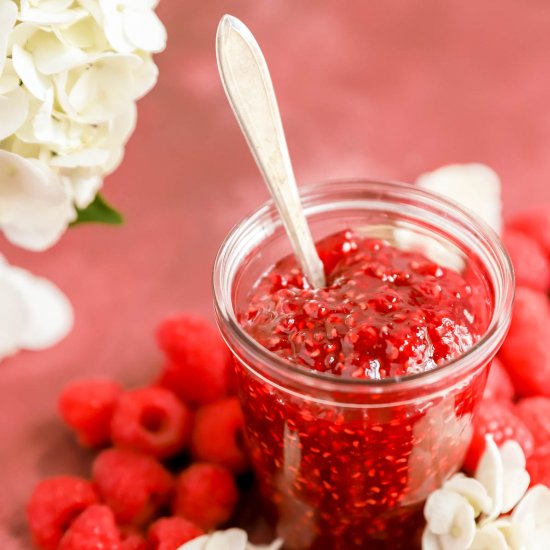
column 378, row 89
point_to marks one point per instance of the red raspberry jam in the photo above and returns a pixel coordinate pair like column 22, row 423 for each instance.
column 338, row 474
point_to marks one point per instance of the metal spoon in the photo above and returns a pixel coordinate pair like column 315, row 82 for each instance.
column 248, row 86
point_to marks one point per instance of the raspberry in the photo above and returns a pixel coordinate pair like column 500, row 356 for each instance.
column 499, row 386
column 531, row 263
column 94, row 529
column 87, row 407
column 496, row 418
column 133, row 541
column 535, row 413
column 171, row 533
column 217, row 435
column 536, row 224
column 198, row 370
column 525, row 352
column 54, row 504
column 538, row 466
column 206, row 494
column 153, row 421
column 134, row 485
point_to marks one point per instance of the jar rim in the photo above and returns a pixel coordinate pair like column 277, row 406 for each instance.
column 486, row 346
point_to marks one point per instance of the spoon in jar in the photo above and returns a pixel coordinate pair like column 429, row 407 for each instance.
column 248, row 87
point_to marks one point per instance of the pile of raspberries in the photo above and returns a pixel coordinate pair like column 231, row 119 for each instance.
column 135, row 500
column 516, row 403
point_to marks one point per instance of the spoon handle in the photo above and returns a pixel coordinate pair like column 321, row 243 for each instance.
column 248, row 86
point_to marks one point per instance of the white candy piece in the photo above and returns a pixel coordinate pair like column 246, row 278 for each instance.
column 473, row 186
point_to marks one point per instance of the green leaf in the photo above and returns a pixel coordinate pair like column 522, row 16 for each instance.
column 99, row 211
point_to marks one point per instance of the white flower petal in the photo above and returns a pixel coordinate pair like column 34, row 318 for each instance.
column 145, row 77
column 512, row 532
column 516, row 477
column 463, row 530
column 14, row 107
column 50, row 315
column 430, row 541
column 196, row 544
column 275, row 545
column 23, row 63
column 41, row 17
column 434, row 249
column 474, row 186
column 535, row 504
column 490, row 473
column 51, row 56
column 489, row 538
column 13, row 315
column 440, row 510
column 113, row 21
column 144, row 30
column 84, row 185
column 83, row 158
column 472, row 490
column 8, row 83
column 232, row 539
column 8, row 16
column 35, row 208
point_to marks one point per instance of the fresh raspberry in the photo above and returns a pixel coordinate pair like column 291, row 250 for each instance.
column 153, row 421
column 87, row 407
column 525, row 352
column 538, row 466
column 535, row 413
column 94, row 529
column 171, row 533
column 205, row 494
column 495, row 418
column 531, row 263
column 133, row 541
column 198, row 370
column 54, row 504
column 536, row 224
column 134, row 485
column 218, row 435
column 499, row 386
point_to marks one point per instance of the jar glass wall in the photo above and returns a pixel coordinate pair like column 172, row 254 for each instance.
column 345, row 463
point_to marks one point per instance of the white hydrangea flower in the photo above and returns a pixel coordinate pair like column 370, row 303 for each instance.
column 129, row 24
column 473, row 491
column 35, row 207
column 474, row 186
column 499, row 486
column 490, row 473
column 35, row 314
column 489, row 537
column 231, row 539
column 70, row 74
column 532, row 514
column 450, row 521
column 8, row 17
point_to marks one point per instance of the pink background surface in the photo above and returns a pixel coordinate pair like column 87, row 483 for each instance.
column 378, row 89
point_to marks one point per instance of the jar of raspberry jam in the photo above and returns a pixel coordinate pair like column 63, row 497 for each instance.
column 358, row 397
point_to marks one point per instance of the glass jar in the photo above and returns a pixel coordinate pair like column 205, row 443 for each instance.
column 348, row 463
